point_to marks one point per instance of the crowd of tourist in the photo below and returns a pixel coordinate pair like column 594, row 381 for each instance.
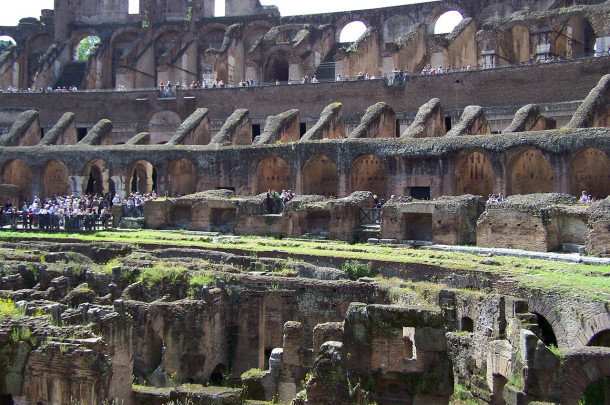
column 276, row 201
column 71, row 212
column 584, row 197
column 494, row 198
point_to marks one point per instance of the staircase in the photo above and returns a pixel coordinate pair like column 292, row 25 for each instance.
column 72, row 74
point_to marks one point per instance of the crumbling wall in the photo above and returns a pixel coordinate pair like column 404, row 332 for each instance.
column 379, row 121
column 429, row 121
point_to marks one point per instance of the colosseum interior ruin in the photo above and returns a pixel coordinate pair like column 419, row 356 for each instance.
column 391, row 276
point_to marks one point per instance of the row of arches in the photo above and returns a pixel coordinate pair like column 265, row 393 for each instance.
column 527, row 171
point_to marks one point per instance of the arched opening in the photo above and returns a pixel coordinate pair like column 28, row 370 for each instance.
column 369, row 173
column 217, row 378
column 85, row 47
column 467, row 324
column 120, row 44
column 277, row 67
column 597, row 393
column 407, row 348
column 96, row 177
column 574, row 37
column 499, row 381
column 473, row 174
column 272, row 173
column 182, row 177
column 600, row 339
column 55, row 179
column 5, row 43
column 546, row 330
column 320, row 176
column 133, row 7
column 447, row 22
column 17, row 173
column 590, row 171
column 143, row 178
column 530, row 173
column 352, row 32
column 165, row 43
column 211, row 40
column 36, row 47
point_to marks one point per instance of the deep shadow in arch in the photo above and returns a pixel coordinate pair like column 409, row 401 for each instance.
column 597, row 393
column 217, row 378
column 601, row 339
column 277, row 67
column 546, row 329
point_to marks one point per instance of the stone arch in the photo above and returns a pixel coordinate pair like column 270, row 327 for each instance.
column 548, row 334
column 473, row 174
column 582, row 368
column 601, row 339
column 55, row 179
column 96, row 178
column 438, row 11
column 36, row 46
column 9, row 38
column 77, row 37
column 550, row 319
column 164, row 41
column 277, row 66
column 573, row 37
column 182, row 177
column 369, row 173
column 120, row 42
column 348, row 19
column 272, row 173
column 446, row 22
column 589, row 170
column 18, row 173
column 217, row 375
column 253, row 32
column 142, row 177
column 163, row 125
column 529, row 172
column 352, row 31
column 320, row 176
column 212, row 37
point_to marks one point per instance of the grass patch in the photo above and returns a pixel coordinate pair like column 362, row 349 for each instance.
column 252, row 373
column 9, row 309
column 355, row 269
column 163, row 271
column 201, row 279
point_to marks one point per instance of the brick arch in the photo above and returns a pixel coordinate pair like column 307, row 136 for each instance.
column 141, row 177
column 122, row 31
column 369, row 173
column 248, row 36
column 320, row 176
column 560, row 44
column 182, row 177
column 272, row 173
column 98, row 171
column 438, row 11
column 580, row 368
column 473, row 173
column 18, row 173
column 589, row 170
column 209, row 29
column 162, row 32
column 55, row 179
column 529, row 171
column 551, row 316
column 277, row 63
column 78, row 36
column 591, row 327
column 347, row 19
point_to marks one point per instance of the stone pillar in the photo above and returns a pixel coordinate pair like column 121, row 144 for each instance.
column 120, row 185
column 36, row 186
column 288, row 376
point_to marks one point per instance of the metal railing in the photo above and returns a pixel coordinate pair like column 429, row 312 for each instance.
column 369, row 216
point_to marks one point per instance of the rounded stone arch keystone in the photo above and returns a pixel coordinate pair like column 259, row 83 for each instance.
column 348, row 19
column 552, row 316
column 580, row 368
column 141, row 177
column 182, row 177
column 438, row 11
column 96, row 178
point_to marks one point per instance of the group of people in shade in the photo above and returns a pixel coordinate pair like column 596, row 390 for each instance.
column 275, row 201
column 71, row 212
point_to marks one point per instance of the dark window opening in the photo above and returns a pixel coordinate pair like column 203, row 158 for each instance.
column 467, row 324
column 42, row 133
column 420, row 193
column 217, row 378
column 397, row 128
column 81, row 133
column 303, row 128
column 418, row 227
column 256, row 130
column 448, row 123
